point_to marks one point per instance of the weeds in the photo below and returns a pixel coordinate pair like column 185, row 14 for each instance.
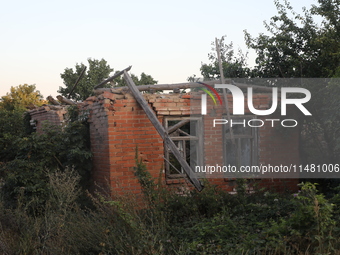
column 210, row 222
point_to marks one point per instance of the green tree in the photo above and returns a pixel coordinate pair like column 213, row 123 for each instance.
column 297, row 46
column 21, row 97
column 145, row 79
column 234, row 64
column 97, row 71
column 12, row 118
column 11, row 129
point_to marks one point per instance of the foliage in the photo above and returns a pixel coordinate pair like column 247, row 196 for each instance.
column 145, row 179
column 14, row 122
column 11, row 129
column 97, row 71
column 144, row 79
column 21, row 97
column 298, row 46
column 215, row 222
column 55, row 148
column 207, row 222
column 234, row 65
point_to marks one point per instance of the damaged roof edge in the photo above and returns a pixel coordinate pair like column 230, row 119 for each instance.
column 157, row 87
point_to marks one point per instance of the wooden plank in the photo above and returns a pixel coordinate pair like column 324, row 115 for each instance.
column 177, row 126
column 218, row 50
column 162, row 132
column 112, row 77
column 52, row 100
column 184, row 138
column 75, row 85
column 65, row 100
column 186, row 85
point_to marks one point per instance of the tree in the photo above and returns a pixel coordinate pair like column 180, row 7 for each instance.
column 97, row 71
column 26, row 162
column 144, row 79
column 297, row 46
column 234, row 65
column 21, row 97
column 12, row 124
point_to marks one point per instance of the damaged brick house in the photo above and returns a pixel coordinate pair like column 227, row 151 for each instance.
column 118, row 124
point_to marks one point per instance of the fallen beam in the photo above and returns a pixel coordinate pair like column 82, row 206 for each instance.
column 52, row 100
column 122, row 90
column 77, row 81
column 65, row 100
column 162, row 132
column 112, row 77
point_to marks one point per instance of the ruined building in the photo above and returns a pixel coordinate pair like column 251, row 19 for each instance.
column 118, row 125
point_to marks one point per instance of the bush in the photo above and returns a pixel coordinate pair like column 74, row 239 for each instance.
column 56, row 148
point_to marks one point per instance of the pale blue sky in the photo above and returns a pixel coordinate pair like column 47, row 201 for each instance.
column 166, row 39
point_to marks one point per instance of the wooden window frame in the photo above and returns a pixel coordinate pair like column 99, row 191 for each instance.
column 183, row 139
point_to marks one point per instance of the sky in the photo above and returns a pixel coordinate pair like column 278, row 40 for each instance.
column 165, row 39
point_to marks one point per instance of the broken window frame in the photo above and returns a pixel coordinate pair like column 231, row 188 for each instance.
column 251, row 135
column 184, row 140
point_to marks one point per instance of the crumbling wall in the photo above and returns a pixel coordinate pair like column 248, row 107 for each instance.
column 53, row 115
column 119, row 126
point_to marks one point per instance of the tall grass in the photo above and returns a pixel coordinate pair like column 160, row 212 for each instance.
column 210, row 222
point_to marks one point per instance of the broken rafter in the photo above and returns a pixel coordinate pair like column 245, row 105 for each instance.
column 162, row 132
column 75, row 85
column 122, row 90
column 112, row 77
column 65, row 100
column 52, row 100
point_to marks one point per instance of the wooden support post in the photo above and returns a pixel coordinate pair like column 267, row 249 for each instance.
column 162, row 132
column 225, row 98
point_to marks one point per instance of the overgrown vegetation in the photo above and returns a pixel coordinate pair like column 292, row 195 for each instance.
column 210, row 222
column 45, row 208
column 32, row 156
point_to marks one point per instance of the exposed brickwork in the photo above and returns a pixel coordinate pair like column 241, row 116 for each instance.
column 47, row 115
column 118, row 125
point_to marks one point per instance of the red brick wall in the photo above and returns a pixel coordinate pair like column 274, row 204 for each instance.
column 118, row 125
